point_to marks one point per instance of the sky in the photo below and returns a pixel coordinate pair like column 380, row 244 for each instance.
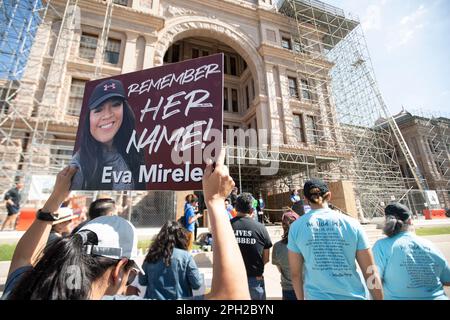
column 409, row 44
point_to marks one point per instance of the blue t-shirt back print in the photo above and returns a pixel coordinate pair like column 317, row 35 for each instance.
column 328, row 242
column 411, row 268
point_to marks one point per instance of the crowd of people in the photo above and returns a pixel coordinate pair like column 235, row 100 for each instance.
column 323, row 254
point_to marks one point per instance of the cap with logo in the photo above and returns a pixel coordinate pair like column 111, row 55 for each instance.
column 398, row 210
column 106, row 90
column 116, row 238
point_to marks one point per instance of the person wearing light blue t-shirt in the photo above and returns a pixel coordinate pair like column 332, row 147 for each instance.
column 323, row 245
column 411, row 268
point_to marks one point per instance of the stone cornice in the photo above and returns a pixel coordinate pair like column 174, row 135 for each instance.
column 90, row 67
column 241, row 8
column 129, row 16
column 285, row 54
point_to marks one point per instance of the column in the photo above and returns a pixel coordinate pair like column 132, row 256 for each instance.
column 287, row 115
column 129, row 56
column 273, row 121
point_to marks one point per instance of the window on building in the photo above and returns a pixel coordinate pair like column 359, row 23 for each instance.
column 172, row 54
column 75, row 97
column 311, row 130
column 234, row 100
column 244, row 65
column 247, row 97
column 61, row 155
column 286, row 43
column 224, row 133
column 88, row 46
column 205, row 53
column 112, row 51
column 236, row 135
column 298, row 47
column 434, row 145
column 195, row 53
column 233, row 66
column 298, row 127
column 7, row 96
column 306, row 90
column 440, row 167
column 293, row 89
column 175, row 53
column 225, row 99
column 121, row 2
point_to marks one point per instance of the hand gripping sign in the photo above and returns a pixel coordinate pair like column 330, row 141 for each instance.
column 150, row 130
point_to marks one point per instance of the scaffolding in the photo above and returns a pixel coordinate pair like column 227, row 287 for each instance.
column 432, row 132
column 330, row 51
column 330, row 56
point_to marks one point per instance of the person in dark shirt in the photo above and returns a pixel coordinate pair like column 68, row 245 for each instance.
column 12, row 201
column 254, row 243
column 233, row 196
column 99, row 208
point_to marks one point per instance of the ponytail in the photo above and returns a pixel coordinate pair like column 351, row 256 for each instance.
column 394, row 226
column 64, row 272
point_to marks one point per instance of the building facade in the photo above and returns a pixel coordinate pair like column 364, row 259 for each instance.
column 277, row 78
column 428, row 139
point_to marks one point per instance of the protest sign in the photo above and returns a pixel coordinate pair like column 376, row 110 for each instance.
column 150, row 130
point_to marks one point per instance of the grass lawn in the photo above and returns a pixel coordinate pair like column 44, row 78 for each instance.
column 432, row 231
column 6, row 251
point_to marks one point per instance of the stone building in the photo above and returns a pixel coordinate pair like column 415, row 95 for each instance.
column 274, row 79
column 428, row 139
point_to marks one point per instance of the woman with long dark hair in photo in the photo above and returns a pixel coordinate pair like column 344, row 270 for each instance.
column 170, row 271
column 106, row 131
column 411, row 267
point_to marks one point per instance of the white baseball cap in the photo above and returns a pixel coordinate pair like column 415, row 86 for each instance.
column 64, row 214
column 116, row 236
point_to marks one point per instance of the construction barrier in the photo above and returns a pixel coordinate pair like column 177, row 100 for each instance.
column 434, row 214
column 25, row 219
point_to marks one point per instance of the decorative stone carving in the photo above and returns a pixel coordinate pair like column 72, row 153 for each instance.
column 172, row 11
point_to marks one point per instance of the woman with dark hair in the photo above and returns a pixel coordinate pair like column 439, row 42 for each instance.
column 324, row 246
column 280, row 256
column 411, row 268
column 105, row 135
column 170, row 271
column 97, row 262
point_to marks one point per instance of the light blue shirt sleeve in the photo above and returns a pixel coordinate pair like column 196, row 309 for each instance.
column 363, row 241
column 445, row 275
column 293, row 238
column 379, row 257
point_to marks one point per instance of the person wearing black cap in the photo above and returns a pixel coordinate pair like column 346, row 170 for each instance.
column 410, row 267
column 105, row 134
column 323, row 244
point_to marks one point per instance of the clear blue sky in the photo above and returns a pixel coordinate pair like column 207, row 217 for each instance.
column 409, row 43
